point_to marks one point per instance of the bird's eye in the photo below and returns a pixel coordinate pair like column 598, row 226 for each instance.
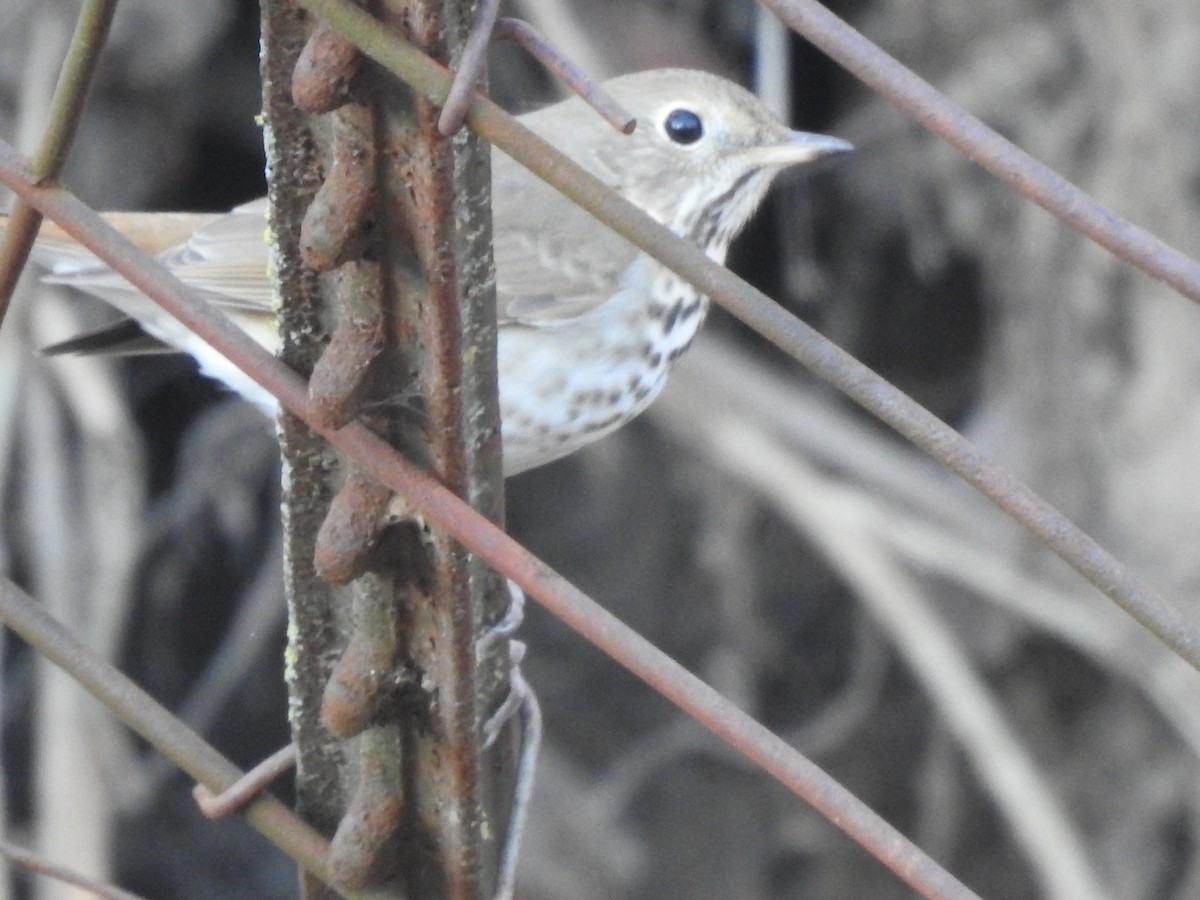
column 683, row 126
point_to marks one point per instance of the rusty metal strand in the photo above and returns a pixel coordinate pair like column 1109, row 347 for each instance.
column 235, row 797
column 359, row 682
column 323, row 73
column 338, row 380
column 793, row 336
column 571, row 75
column 984, row 146
column 448, row 758
column 348, row 531
column 470, row 68
column 448, row 512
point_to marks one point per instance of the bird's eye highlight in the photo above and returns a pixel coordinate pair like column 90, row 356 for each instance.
column 683, row 126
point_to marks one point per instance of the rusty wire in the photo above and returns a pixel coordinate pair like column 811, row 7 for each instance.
column 1144, row 251
column 571, row 75
column 446, row 511
column 996, row 154
column 66, row 106
column 470, row 67
column 826, row 360
column 237, row 795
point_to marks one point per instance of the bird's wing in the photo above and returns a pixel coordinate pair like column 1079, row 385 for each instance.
column 546, row 272
column 544, row 275
column 228, row 258
column 225, row 255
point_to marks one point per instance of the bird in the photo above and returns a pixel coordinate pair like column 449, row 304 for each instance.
column 589, row 325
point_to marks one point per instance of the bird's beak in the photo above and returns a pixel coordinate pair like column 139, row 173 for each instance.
column 804, row 147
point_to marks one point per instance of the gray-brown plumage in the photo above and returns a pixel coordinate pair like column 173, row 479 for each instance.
column 589, row 325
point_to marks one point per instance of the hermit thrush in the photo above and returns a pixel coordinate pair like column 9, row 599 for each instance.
column 589, row 325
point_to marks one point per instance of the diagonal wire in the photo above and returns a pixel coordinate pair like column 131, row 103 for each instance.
column 448, row 512
column 541, row 582
column 996, row 154
column 157, row 725
column 36, row 863
column 829, row 362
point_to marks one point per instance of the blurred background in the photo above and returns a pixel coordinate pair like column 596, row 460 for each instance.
column 793, row 553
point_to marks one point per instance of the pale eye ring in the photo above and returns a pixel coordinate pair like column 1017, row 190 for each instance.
column 683, row 126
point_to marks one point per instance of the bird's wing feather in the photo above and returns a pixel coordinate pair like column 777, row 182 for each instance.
column 224, row 255
column 228, row 258
column 548, row 273
column 544, row 275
